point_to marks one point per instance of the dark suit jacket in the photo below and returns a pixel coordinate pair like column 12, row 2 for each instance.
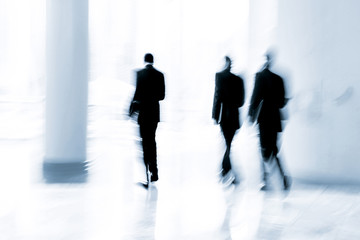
column 150, row 89
column 269, row 94
column 228, row 97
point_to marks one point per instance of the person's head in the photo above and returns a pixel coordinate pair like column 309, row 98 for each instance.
column 149, row 58
column 269, row 58
column 228, row 62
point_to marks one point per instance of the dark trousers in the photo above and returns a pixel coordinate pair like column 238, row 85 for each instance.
column 269, row 149
column 229, row 134
column 147, row 134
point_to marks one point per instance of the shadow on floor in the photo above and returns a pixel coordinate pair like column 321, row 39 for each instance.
column 65, row 173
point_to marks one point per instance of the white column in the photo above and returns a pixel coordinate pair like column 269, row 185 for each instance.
column 67, row 85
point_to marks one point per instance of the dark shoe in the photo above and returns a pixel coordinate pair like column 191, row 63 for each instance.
column 264, row 188
column 144, row 185
column 154, row 178
column 287, row 183
column 235, row 182
column 224, row 172
column 229, row 179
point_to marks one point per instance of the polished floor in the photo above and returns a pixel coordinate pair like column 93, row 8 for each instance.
column 188, row 202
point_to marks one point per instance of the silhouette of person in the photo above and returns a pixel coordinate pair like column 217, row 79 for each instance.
column 266, row 101
column 150, row 89
column 228, row 98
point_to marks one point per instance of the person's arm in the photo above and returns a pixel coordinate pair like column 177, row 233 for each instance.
column 134, row 105
column 282, row 100
column 161, row 87
column 255, row 98
column 217, row 103
column 241, row 92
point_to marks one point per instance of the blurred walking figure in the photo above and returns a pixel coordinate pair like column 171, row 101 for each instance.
column 150, row 89
column 228, row 98
column 267, row 99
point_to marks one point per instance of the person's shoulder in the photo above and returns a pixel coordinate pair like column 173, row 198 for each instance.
column 275, row 76
column 239, row 79
column 140, row 70
column 237, row 75
column 223, row 73
column 158, row 72
column 267, row 73
column 259, row 74
column 262, row 71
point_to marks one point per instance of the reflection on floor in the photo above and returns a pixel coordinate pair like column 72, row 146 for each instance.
column 188, row 202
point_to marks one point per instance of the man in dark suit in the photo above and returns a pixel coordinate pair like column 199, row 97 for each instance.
column 228, row 98
column 150, row 89
column 267, row 99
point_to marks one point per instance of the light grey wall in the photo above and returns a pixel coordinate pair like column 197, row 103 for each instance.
column 318, row 53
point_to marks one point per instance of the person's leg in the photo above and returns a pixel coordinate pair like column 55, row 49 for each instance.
column 278, row 162
column 153, row 153
column 266, row 152
column 286, row 179
column 144, row 141
column 264, row 174
column 228, row 136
